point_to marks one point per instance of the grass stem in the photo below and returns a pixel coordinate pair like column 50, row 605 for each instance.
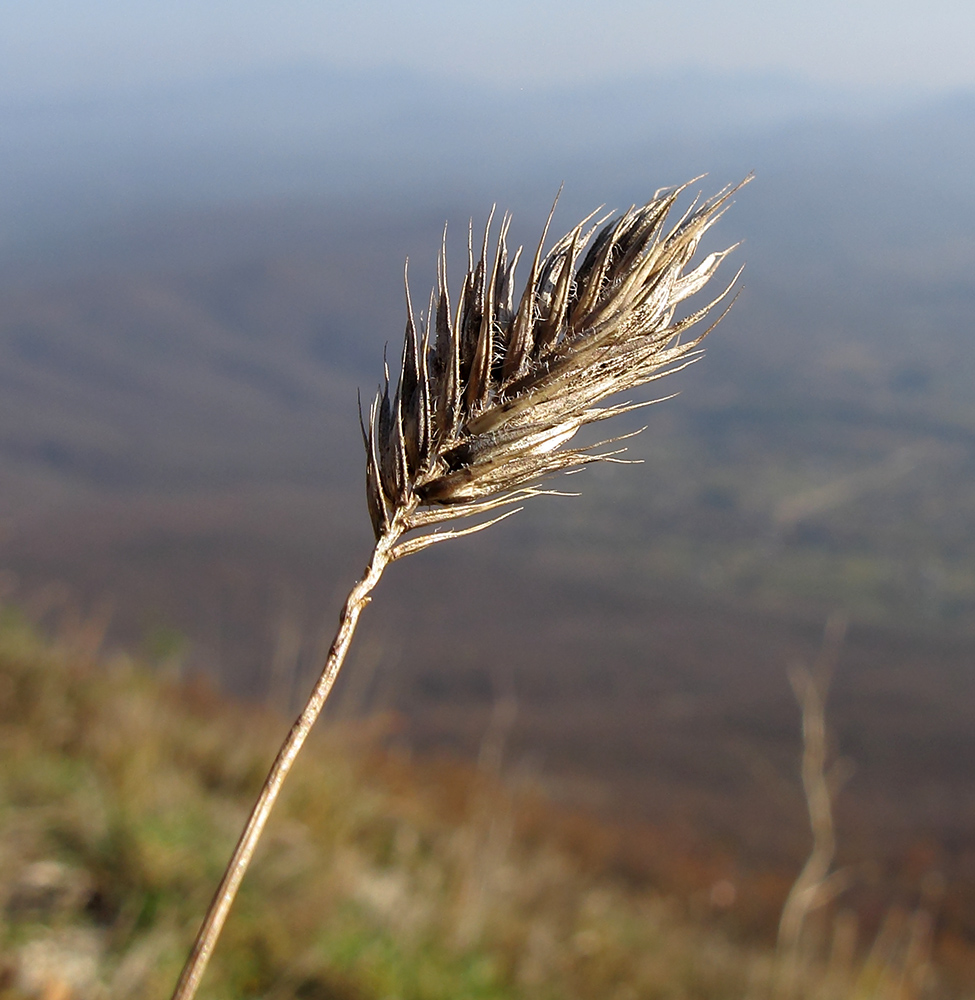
column 485, row 403
column 216, row 915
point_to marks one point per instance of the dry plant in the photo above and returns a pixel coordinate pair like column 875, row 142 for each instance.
column 490, row 392
column 816, row 885
column 897, row 965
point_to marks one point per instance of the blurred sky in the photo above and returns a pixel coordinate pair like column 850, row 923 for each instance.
column 53, row 47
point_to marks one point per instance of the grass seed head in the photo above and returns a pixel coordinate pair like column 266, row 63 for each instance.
column 492, row 387
column 490, row 393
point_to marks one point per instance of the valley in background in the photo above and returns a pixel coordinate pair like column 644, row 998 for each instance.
column 186, row 317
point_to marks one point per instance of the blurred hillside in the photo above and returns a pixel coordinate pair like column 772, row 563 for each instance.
column 197, row 282
column 379, row 874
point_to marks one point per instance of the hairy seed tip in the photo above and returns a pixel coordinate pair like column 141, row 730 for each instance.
column 492, row 387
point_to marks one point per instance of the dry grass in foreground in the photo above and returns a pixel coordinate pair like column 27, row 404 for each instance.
column 121, row 790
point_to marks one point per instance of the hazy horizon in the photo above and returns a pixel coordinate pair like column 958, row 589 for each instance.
column 54, row 46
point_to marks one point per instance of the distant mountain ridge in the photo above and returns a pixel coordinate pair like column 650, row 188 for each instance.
column 316, row 134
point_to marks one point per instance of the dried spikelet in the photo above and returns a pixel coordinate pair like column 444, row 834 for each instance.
column 489, row 393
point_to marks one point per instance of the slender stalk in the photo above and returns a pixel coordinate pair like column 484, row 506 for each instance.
column 815, row 886
column 223, row 898
column 485, row 404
